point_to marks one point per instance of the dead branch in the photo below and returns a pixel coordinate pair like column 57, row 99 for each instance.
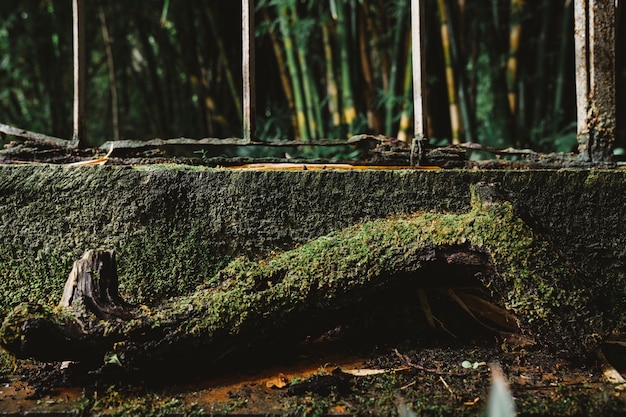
column 36, row 137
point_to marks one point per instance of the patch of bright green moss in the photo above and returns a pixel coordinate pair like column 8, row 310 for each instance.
column 536, row 284
column 152, row 266
column 547, row 295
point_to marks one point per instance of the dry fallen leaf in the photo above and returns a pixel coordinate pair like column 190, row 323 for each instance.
column 609, row 372
column 277, row 382
column 368, row 372
column 473, row 402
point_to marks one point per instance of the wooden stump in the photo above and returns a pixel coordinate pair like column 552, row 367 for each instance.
column 93, row 287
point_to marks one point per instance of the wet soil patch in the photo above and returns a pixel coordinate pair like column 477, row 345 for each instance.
column 427, row 377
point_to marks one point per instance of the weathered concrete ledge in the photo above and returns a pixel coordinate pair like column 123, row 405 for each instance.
column 174, row 226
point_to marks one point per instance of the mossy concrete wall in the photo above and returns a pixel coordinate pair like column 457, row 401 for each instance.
column 174, row 226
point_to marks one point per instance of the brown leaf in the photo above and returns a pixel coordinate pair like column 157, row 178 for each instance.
column 277, row 382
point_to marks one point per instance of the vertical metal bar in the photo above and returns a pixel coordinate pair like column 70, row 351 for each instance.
column 249, row 88
column 594, row 36
column 581, row 31
column 78, row 16
column 419, row 76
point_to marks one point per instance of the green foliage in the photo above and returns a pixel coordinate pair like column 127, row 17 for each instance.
column 176, row 65
column 28, row 279
column 6, row 363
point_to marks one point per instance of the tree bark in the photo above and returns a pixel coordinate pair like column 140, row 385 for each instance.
column 92, row 287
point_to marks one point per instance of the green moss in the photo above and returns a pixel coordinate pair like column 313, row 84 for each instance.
column 548, row 296
column 165, row 262
column 152, row 266
column 172, row 167
column 28, row 278
column 119, row 402
column 7, row 363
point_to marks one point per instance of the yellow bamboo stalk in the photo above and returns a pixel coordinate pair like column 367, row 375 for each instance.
column 366, row 66
column 379, row 56
column 331, row 81
column 405, row 116
column 456, row 125
column 349, row 109
column 224, row 60
column 517, row 6
column 282, row 69
column 292, row 65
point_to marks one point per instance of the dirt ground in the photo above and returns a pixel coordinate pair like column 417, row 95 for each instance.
column 330, row 377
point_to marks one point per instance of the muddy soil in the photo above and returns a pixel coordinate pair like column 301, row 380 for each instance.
column 441, row 377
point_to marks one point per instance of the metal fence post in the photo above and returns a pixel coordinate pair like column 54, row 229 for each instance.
column 419, row 76
column 249, row 88
column 78, row 16
column 594, row 33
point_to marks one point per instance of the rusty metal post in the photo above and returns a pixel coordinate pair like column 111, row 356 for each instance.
column 78, row 16
column 249, row 88
column 594, row 33
column 419, row 76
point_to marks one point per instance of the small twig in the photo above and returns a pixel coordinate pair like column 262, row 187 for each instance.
column 445, row 384
column 158, row 142
column 410, row 363
column 410, row 384
column 497, row 151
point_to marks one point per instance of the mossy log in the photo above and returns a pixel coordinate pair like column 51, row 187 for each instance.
column 252, row 301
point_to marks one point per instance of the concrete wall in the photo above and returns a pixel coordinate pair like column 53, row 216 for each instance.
column 173, row 226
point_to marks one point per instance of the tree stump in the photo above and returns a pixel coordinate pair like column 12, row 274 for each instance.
column 93, row 287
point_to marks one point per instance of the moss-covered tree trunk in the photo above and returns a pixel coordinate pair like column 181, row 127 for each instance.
column 289, row 295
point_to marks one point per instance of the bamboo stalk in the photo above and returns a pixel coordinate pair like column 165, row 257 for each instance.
column 568, row 16
column 405, row 117
column 311, row 97
column 473, row 55
column 390, row 103
column 207, row 102
column 368, row 78
column 539, row 107
column 455, row 118
column 164, row 12
column 331, row 82
column 349, row 109
column 461, row 85
column 292, row 64
column 462, row 6
column 378, row 55
column 234, row 92
column 302, row 30
column 111, row 70
column 517, row 7
column 284, row 77
column 153, row 91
